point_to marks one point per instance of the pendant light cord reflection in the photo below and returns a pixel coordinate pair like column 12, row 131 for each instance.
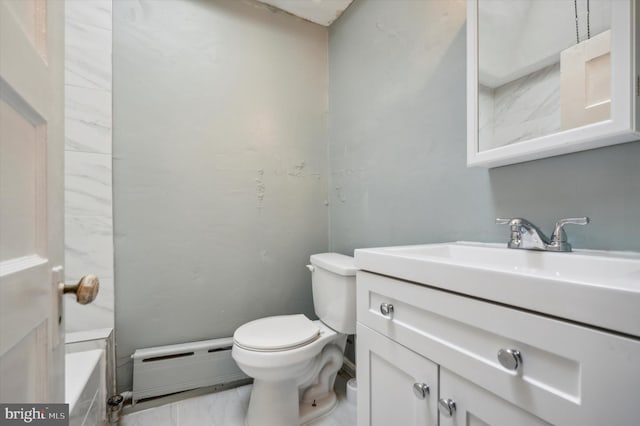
column 575, row 7
column 588, row 26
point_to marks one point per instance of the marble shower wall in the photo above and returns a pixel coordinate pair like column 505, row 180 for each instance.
column 88, row 189
column 523, row 109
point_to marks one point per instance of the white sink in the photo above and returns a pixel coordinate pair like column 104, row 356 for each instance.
column 598, row 288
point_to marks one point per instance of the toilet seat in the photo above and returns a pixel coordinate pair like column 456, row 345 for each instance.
column 277, row 333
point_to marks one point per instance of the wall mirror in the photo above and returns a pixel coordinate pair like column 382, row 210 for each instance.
column 549, row 77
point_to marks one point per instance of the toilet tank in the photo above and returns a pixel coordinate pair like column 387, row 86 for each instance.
column 333, row 279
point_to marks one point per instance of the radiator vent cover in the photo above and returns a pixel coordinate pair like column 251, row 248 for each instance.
column 164, row 370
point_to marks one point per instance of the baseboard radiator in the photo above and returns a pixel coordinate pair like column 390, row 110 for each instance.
column 164, row 370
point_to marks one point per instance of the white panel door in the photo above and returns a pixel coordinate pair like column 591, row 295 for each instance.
column 31, row 200
column 387, row 375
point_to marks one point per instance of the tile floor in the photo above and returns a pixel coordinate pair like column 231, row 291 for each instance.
column 227, row 408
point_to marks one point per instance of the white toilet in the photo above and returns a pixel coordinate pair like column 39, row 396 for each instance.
column 294, row 360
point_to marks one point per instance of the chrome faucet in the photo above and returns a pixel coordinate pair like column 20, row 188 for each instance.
column 525, row 235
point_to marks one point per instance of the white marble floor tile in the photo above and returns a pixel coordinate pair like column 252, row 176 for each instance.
column 167, row 415
column 88, row 184
column 225, row 408
column 228, row 408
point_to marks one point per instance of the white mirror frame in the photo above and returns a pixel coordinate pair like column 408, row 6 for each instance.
column 625, row 96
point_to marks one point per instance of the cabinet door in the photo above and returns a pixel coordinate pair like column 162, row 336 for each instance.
column 390, row 377
column 476, row 406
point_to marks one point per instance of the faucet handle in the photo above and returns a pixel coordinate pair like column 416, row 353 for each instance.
column 514, row 221
column 558, row 230
column 574, row 221
column 559, row 237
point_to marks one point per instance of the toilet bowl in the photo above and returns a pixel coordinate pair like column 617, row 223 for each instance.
column 294, row 360
column 282, row 376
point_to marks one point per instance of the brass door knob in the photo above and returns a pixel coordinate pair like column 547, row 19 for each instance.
column 86, row 290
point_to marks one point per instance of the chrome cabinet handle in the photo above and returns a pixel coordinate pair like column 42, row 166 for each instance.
column 421, row 390
column 386, row 309
column 446, row 407
column 511, row 359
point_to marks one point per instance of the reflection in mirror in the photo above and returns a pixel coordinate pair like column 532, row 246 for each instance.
column 544, row 67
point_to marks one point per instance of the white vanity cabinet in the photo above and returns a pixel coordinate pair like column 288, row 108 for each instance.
column 566, row 374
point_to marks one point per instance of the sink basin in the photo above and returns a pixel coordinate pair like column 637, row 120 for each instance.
column 597, row 288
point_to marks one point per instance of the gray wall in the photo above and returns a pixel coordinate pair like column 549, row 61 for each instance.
column 397, row 145
column 220, row 163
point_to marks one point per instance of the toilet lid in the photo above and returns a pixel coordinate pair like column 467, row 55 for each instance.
column 277, row 333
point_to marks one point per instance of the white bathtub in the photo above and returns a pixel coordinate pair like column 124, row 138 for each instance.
column 85, row 387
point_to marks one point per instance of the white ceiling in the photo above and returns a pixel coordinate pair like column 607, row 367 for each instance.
column 322, row 12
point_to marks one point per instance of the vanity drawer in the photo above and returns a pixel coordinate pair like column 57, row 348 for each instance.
column 569, row 374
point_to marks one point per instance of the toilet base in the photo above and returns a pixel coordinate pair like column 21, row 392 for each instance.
column 308, row 411
column 273, row 404
column 276, row 404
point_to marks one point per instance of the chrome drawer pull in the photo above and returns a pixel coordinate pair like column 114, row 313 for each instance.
column 510, row 359
column 386, row 309
column 446, row 407
column 421, row 390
